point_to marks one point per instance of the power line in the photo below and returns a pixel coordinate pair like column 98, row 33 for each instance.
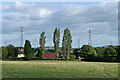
column 111, row 42
column 5, row 42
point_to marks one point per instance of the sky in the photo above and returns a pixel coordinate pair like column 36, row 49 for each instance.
column 35, row 17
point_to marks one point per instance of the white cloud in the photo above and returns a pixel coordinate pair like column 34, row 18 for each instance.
column 102, row 18
column 20, row 4
column 39, row 13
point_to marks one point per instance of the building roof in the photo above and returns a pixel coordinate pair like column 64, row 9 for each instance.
column 49, row 55
column 21, row 50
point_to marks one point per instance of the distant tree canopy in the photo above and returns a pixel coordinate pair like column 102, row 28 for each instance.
column 42, row 45
column 118, row 53
column 110, row 53
column 28, row 50
column 100, row 53
column 66, row 43
column 56, row 40
column 88, row 52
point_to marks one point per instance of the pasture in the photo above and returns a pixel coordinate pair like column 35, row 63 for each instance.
column 58, row 69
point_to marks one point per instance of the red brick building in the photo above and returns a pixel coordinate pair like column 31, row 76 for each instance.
column 50, row 55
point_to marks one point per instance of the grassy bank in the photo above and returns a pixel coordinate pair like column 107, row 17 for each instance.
column 58, row 69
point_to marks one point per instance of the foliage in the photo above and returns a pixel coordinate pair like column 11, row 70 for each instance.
column 72, row 56
column 11, row 51
column 75, row 51
column 40, row 55
column 118, row 53
column 100, row 53
column 28, row 50
column 33, row 50
column 16, row 51
column 66, row 43
column 75, row 60
column 110, row 53
column 4, row 53
column 88, row 52
column 50, row 51
column 56, row 41
column 42, row 44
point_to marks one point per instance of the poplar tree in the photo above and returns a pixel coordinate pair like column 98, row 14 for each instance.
column 56, row 41
column 28, row 50
column 66, row 43
column 42, row 44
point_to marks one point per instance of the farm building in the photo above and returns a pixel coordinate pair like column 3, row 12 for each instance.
column 21, row 53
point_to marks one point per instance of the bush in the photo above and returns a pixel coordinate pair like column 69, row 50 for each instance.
column 35, row 58
column 16, row 59
column 75, row 60
column 72, row 56
column 49, row 59
column 28, row 57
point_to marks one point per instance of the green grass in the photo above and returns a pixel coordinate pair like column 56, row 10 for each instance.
column 58, row 69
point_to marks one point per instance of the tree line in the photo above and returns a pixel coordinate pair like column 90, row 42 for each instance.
column 87, row 52
column 103, row 54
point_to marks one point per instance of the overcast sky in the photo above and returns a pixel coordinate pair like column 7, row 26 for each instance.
column 78, row 17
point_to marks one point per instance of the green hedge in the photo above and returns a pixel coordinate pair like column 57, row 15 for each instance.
column 16, row 59
column 72, row 56
column 75, row 60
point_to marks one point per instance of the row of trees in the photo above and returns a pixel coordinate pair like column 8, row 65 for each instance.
column 11, row 51
column 110, row 53
column 66, row 43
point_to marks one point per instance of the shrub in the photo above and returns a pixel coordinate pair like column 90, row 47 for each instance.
column 72, row 56
column 16, row 59
column 75, row 60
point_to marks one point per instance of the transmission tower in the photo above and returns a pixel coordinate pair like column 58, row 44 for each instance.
column 78, row 43
column 5, row 42
column 21, row 36
column 90, row 41
column 111, row 42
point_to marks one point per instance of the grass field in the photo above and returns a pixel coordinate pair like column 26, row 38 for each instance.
column 58, row 69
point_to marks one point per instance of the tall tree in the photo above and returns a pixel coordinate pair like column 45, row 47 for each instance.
column 88, row 52
column 56, row 40
column 42, row 44
column 110, row 53
column 28, row 50
column 66, row 43
column 11, row 51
